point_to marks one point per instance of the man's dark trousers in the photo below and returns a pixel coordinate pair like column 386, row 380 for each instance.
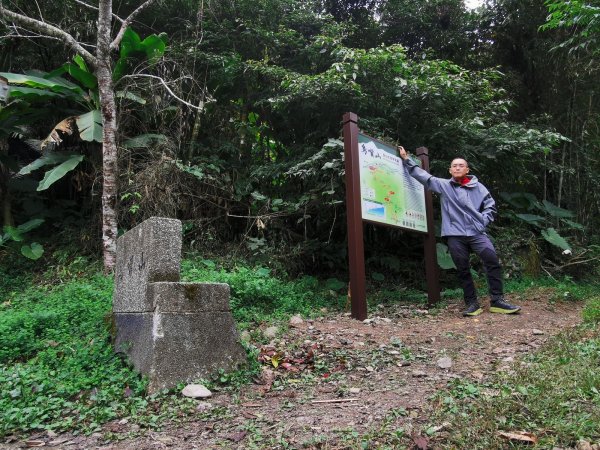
column 460, row 248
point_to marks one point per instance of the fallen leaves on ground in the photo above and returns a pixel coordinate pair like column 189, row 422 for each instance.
column 521, row 436
column 421, row 442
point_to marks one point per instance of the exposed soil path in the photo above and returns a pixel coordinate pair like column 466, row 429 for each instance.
column 346, row 378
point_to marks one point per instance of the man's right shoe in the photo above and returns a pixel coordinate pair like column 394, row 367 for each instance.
column 501, row 306
column 473, row 309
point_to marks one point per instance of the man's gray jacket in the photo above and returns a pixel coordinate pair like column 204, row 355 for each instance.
column 466, row 209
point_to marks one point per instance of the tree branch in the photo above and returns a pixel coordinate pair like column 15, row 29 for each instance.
column 115, row 44
column 48, row 30
column 166, row 86
column 96, row 8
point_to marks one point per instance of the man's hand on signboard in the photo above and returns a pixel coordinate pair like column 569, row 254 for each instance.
column 402, row 152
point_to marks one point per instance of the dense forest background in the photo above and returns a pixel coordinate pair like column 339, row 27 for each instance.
column 229, row 118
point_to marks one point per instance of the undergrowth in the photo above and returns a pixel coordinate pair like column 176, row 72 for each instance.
column 553, row 394
column 58, row 370
column 57, row 367
column 257, row 296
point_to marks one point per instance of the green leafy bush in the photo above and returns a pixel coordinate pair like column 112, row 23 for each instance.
column 591, row 312
column 256, row 295
column 57, row 367
column 39, row 316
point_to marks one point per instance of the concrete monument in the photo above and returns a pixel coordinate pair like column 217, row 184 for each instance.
column 171, row 331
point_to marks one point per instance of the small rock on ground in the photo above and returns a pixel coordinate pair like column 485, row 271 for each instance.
column 296, row 320
column 196, row 391
column 271, row 332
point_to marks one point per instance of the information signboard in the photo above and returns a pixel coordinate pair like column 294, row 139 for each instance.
column 389, row 195
column 380, row 190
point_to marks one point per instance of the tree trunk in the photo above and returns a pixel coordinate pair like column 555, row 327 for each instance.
column 109, row 139
column 7, row 218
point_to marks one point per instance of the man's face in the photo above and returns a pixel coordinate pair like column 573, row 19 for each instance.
column 458, row 168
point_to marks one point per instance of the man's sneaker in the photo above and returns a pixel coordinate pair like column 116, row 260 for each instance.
column 473, row 309
column 503, row 307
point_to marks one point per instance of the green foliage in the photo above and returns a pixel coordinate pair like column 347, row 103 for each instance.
column 90, row 126
column 565, row 289
column 144, row 140
column 260, row 161
column 46, row 160
column 443, row 257
column 552, row 214
column 553, row 396
column 66, row 163
column 17, row 234
column 135, row 50
column 582, row 16
column 552, row 236
column 591, row 311
column 57, row 366
column 41, row 87
column 56, row 173
column 257, row 295
column 33, row 251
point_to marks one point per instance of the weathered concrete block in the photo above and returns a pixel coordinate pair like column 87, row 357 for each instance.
column 134, row 338
column 189, row 297
column 173, row 332
column 173, row 347
column 147, row 253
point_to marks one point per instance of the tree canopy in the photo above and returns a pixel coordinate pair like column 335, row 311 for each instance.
column 229, row 118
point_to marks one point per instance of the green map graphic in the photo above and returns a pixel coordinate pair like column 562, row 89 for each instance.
column 389, row 194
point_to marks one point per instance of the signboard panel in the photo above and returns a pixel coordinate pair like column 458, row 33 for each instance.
column 389, row 195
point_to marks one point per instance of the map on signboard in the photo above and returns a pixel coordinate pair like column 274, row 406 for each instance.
column 389, row 195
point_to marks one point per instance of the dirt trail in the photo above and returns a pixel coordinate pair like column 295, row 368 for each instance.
column 352, row 378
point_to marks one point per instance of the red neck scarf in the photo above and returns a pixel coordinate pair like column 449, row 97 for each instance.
column 462, row 181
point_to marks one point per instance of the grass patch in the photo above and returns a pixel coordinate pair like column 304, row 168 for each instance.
column 558, row 290
column 57, row 367
column 554, row 394
column 257, row 296
column 591, row 312
column 58, row 370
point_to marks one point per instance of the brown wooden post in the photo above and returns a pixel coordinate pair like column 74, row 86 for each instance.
column 356, row 249
column 432, row 273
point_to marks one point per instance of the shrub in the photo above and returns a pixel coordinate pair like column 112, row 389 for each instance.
column 256, row 295
column 57, row 367
column 591, row 312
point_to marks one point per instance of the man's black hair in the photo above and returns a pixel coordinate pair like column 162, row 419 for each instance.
column 460, row 157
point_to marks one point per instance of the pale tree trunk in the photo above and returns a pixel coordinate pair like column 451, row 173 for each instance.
column 108, row 110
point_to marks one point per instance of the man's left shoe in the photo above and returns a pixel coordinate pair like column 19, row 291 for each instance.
column 501, row 306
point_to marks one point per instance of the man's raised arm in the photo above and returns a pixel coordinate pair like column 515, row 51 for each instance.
column 425, row 178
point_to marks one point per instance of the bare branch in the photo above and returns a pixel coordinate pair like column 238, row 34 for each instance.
column 96, row 9
column 115, row 44
column 166, row 86
column 48, row 30
column 39, row 11
column 16, row 34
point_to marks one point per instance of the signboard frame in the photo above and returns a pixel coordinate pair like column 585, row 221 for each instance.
column 356, row 254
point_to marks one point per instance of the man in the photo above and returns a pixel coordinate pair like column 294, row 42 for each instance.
column 467, row 210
